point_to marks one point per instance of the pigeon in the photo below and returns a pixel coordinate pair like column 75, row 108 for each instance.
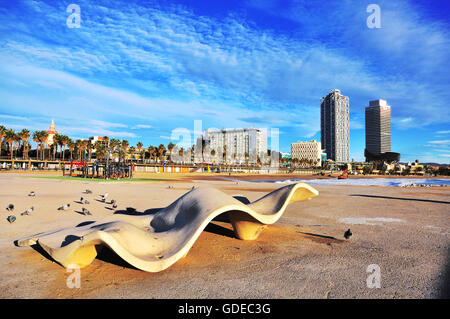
column 64, row 207
column 32, row 194
column 348, row 234
column 104, row 197
column 10, row 207
column 28, row 211
column 11, row 219
column 86, row 212
column 88, row 191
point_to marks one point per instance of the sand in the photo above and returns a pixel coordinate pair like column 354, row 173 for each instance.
column 304, row 255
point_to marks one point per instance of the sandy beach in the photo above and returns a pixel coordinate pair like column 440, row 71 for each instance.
column 406, row 231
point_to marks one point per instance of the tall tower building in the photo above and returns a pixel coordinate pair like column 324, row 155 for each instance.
column 51, row 132
column 378, row 127
column 334, row 126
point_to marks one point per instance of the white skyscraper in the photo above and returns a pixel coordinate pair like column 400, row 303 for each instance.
column 334, row 126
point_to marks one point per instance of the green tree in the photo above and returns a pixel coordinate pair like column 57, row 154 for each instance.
column 161, row 151
column 170, row 147
column 11, row 138
column 24, row 135
column 71, row 146
column 2, row 135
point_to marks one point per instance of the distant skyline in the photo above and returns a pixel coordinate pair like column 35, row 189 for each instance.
column 138, row 71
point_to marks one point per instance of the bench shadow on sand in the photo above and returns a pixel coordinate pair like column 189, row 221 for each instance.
column 401, row 198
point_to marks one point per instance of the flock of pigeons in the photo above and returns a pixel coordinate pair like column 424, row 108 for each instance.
column 83, row 201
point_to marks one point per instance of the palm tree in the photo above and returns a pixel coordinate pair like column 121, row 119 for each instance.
column 170, row 147
column 132, row 150
column 114, row 144
column 100, row 150
column 161, row 151
column 40, row 137
column 2, row 135
column 24, row 136
column 36, row 139
column 151, row 151
column 26, row 147
column 139, row 146
column 71, row 146
column 64, row 142
column 90, row 147
column 11, row 138
column 125, row 145
column 84, row 146
column 78, row 146
column 56, row 142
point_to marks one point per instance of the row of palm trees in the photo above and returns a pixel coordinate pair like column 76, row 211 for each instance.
column 14, row 142
column 84, row 149
column 301, row 162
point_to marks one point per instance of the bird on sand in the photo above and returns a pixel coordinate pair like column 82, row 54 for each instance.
column 64, row 207
column 10, row 207
column 28, row 211
column 104, row 196
column 114, row 205
column 84, row 200
column 32, row 194
column 348, row 234
column 88, row 191
column 11, row 219
column 86, row 212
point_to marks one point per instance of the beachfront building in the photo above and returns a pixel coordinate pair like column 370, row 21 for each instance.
column 378, row 128
column 237, row 146
column 334, row 126
column 94, row 139
column 309, row 151
column 51, row 133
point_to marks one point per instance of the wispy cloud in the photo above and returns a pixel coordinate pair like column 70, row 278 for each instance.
column 142, row 126
column 442, row 142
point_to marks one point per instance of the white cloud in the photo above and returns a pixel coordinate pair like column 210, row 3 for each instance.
column 442, row 142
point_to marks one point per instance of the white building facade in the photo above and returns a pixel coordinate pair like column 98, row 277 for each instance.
column 307, row 150
column 236, row 146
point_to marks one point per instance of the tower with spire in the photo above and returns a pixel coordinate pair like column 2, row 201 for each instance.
column 51, row 132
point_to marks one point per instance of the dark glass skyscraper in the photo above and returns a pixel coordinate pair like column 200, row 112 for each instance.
column 378, row 127
column 334, row 126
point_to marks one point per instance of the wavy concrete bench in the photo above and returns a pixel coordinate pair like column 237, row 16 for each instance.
column 156, row 241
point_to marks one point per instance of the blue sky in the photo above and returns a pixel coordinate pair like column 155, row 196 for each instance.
column 140, row 69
